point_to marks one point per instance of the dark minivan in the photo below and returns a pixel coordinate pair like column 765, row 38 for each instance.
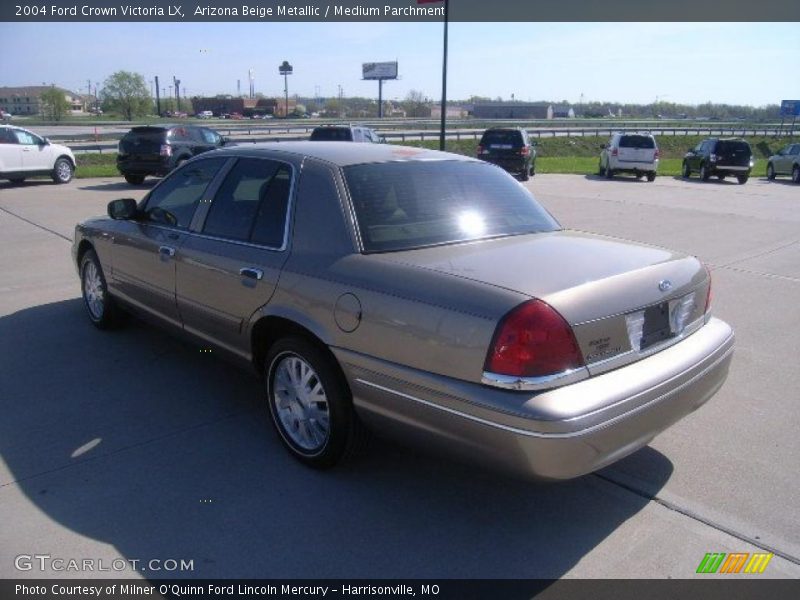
column 158, row 149
column 509, row 148
column 720, row 158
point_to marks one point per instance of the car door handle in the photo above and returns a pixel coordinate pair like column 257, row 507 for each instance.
column 251, row 273
column 166, row 251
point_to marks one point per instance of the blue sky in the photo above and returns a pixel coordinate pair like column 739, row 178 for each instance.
column 739, row 63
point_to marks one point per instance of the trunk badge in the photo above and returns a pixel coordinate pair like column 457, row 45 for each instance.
column 665, row 285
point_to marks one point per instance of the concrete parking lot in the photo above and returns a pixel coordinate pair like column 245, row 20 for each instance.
column 133, row 445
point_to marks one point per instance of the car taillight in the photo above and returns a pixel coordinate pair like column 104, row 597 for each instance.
column 713, row 158
column 657, row 154
column 533, row 340
column 708, row 292
column 525, row 151
column 482, row 150
column 615, row 152
column 166, row 150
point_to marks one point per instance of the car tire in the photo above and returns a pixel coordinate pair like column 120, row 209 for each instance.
column 62, row 171
column 134, row 179
column 721, row 176
column 686, row 171
column 704, row 174
column 770, row 171
column 609, row 172
column 651, row 176
column 525, row 174
column 742, row 179
column 796, row 174
column 600, row 170
column 318, row 433
column 100, row 306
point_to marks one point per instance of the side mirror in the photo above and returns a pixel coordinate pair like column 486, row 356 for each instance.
column 225, row 140
column 44, row 142
column 122, row 209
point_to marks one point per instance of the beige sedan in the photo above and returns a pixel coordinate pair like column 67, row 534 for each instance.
column 416, row 293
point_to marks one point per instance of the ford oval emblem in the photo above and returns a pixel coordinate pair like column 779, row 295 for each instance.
column 665, row 285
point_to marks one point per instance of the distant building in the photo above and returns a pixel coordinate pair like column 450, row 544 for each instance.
column 453, row 112
column 27, row 100
column 226, row 105
column 521, row 110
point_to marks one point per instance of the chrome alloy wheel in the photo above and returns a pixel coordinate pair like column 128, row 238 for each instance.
column 301, row 404
column 63, row 171
column 93, row 292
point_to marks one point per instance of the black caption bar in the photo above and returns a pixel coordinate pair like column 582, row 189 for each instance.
column 444, row 589
column 398, row 10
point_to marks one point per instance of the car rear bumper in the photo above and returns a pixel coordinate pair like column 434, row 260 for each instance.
column 557, row 434
column 634, row 166
column 144, row 167
column 516, row 164
column 730, row 168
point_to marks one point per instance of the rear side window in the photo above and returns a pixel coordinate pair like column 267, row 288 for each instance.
column 6, row 137
column 180, row 134
column 251, row 204
column 174, row 201
column 403, row 205
column 332, row 134
column 637, row 141
column 501, row 138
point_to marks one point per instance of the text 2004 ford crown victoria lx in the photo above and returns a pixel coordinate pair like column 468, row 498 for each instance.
column 417, row 293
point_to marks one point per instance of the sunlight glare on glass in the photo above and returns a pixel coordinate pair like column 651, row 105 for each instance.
column 471, row 223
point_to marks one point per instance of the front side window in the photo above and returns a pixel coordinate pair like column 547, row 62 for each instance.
column 26, row 138
column 251, row 203
column 174, row 201
column 210, row 137
column 404, row 205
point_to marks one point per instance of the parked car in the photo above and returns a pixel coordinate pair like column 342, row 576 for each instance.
column 345, row 133
column 157, row 149
column 785, row 162
column 510, row 148
column 5, row 117
column 635, row 153
column 420, row 293
column 205, row 114
column 24, row 154
column 720, row 158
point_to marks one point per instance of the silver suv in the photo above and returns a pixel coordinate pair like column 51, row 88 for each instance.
column 635, row 153
column 785, row 162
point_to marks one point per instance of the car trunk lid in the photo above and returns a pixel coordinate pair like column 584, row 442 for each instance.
column 620, row 298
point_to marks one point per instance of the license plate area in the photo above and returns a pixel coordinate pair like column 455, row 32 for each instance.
column 655, row 328
column 660, row 322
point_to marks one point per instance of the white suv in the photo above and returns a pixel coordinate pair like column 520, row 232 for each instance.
column 635, row 153
column 24, row 154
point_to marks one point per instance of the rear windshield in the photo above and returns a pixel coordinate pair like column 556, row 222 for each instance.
column 404, row 205
column 507, row 137
column 332, row 134
column 732, row 147
column 636, row 141
column 154, row 134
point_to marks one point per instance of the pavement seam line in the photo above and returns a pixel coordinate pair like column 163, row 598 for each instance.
column 128, row 447
column 63, row 237
column 700, row 519
column 758, row 254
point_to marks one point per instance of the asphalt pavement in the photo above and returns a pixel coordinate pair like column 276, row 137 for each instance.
column 132, row 445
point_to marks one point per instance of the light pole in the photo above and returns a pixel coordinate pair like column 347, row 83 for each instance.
column 286, row 69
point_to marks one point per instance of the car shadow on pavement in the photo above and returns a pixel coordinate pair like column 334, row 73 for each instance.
column 122, row 186
column 696, row 180
column 138, row 440
column 620, row 178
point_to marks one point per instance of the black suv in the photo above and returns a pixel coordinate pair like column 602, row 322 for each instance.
column 719, row 157
column 157, row 149
column 346, row 133
column 510, row 148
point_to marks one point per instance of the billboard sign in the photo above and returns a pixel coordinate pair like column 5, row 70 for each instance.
column 790, row 108
column 379, row 70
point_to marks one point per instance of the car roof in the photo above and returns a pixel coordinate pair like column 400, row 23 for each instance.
column 344, row 153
